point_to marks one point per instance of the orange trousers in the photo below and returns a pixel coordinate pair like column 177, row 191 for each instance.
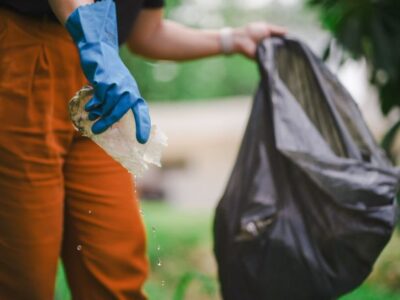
column 60, row 194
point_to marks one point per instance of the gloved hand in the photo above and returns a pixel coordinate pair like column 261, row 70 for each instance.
column 93, row 28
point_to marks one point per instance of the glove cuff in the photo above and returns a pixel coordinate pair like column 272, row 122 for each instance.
column 94, row 23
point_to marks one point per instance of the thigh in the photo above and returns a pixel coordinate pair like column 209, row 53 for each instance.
column 31, row 200
column 30, row 238
column 104, row 248
column 31, row 183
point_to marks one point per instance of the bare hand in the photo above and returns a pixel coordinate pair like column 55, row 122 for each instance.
column 246, row 38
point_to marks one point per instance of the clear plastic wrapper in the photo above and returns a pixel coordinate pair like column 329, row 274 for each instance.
column 119, row 141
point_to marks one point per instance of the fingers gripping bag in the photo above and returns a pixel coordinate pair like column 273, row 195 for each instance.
column 119, row 141
column 310, row 203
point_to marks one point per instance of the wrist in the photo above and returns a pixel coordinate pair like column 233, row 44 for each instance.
column 239, row 37
column 232, row 40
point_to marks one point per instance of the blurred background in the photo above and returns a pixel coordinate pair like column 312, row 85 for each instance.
column 203, row 108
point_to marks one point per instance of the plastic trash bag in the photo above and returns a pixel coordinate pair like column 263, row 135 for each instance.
column 119, row 141
column 310, row 203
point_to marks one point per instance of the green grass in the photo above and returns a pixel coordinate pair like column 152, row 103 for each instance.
column 371, row 292
column 188, row 268
column 185, row 241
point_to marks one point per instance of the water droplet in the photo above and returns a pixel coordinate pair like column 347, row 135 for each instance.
column 79, row 247
column 162, row 282
column 158, row 247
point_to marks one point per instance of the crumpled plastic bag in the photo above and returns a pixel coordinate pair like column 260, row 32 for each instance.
column 119, row 141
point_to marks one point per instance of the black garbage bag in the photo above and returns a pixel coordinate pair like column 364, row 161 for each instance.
column 310, row 203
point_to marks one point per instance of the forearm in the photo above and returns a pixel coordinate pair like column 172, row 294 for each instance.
column 173, row 41
column 156, row 38
column 63, row 8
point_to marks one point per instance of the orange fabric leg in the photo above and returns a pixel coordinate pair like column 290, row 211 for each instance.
column 30, row 236
column 104, row 242
column 32, row 143
column 47, row 173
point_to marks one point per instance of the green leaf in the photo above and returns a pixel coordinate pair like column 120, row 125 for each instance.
column 389, row 94
column 327, row 51
column 389, row 138
column 187, row 278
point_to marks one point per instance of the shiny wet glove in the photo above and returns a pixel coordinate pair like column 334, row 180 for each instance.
column 93, row 28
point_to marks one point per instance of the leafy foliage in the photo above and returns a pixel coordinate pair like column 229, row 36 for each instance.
column 369, row 29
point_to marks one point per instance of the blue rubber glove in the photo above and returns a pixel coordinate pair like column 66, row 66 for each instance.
column 93, row 28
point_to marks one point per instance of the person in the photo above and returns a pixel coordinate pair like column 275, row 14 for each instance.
column 59, row 192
